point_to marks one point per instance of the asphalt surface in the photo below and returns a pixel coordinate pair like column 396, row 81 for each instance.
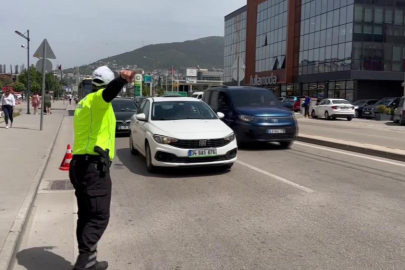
column 363, row 131
column 305, row 208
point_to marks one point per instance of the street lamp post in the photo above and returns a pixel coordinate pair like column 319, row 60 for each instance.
column 151, row 84
column 27, row 91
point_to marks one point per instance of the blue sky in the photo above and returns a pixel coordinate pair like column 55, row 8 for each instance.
column 81, row 32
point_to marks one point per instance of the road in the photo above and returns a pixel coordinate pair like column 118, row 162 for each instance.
column 306, row 208
column 361, row 131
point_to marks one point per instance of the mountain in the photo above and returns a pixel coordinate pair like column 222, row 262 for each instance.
column 206, row 52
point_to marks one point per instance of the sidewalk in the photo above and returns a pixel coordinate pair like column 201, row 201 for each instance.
column 49, row 239
column 25, row 153
column 380, row 138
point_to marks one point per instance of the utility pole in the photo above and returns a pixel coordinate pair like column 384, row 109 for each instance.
column 43, row 90
column 27, row 92
column 166, row 83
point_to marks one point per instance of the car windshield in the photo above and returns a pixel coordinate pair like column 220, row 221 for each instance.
column 254, row 98
column 181, row 110
column 340, row 102
column 124, row 105
column 384, row 102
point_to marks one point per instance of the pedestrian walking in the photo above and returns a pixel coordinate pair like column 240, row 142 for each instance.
column 35, row 102
column 7, row 106
column 94, row 149
column 70, row 100
column 48, row 103
column 307, row 102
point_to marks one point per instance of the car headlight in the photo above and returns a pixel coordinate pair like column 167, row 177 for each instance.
column 164, row 139
column 230, row 137
column 247, row 118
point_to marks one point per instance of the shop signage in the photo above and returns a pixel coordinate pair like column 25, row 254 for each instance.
column 259, row 81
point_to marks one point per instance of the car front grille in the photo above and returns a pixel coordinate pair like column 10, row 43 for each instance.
column 196, row 144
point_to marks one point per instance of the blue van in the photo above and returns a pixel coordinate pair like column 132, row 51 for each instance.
column 255, row 114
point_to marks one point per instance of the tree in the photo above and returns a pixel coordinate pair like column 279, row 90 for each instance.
column 19, row 87
column 35, row 87
column 5, row 80
column 1, row 85
column 35, row 77
column 161, row 92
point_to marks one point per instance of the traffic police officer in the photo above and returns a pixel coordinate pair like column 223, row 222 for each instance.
column 94, row 146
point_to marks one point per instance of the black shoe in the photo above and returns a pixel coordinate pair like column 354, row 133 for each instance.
column 97, row 266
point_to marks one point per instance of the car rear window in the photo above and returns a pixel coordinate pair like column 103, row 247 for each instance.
column 340, row 102
column 120, row 105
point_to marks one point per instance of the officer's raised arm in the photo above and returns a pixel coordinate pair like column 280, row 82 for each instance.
column 116, row 85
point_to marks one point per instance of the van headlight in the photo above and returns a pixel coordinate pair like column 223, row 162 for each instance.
column 247, row 118
column 230, row 137
column 164, row 139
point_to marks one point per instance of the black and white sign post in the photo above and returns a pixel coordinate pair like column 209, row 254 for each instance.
column 44, row 51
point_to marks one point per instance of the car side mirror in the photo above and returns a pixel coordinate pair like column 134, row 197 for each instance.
column 221, row 115
column 141, row 117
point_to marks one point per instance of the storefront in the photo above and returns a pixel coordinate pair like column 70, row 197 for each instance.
column 347, row 49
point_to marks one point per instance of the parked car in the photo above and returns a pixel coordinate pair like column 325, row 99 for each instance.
column 293, row 103
column 359, row 106
column 332, row 109
column 254, row 114
column 124, row 109
column 197, row 95
column 371, row 110
column 181, row 132
column 399, row 114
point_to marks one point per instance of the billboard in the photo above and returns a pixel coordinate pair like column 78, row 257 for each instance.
column 138, row 85
column 191, row 79
column 191, row 72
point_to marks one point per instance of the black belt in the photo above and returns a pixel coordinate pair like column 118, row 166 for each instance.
column 87, row 157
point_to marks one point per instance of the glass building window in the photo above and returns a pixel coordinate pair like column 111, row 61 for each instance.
column 358, row 13
column 388, row 15
column 368, row 14
column 399, row 17
column 378, row 15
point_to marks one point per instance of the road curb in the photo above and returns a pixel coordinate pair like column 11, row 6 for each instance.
column 384, row 153
column 14, row 236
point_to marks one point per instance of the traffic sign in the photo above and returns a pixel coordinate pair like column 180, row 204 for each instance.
column 48, row 65
column 148, row 78
column 49, row 52
column 138, row 85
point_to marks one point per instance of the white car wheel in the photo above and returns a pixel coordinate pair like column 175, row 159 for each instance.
column 131, row 147
column 148, row 156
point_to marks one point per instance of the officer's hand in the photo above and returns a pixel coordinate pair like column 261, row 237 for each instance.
column 128, row 75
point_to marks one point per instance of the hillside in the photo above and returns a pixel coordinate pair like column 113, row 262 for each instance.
column 205, row 52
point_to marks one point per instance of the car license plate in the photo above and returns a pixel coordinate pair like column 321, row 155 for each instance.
column 202, row 153
column 123, row 127
column 366, row 112
column 276, row 131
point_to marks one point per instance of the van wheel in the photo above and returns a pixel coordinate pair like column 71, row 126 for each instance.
column 286, row 145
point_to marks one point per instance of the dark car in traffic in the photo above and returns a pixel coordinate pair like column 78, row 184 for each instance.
column 359, row 106
column 254, row 114
column 371, row 110
column 124, row 109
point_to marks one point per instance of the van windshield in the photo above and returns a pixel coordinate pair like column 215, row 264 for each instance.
column 256, row 98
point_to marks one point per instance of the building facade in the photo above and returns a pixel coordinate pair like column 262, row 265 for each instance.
column 350, row 49
column 235, row 44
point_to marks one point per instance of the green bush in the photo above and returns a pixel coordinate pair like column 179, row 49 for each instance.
column 387, row 111
column 381, row 109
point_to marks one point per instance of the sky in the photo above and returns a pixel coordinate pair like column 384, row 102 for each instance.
column 84, row 31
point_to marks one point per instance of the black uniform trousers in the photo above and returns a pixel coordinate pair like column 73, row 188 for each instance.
column 93, row 193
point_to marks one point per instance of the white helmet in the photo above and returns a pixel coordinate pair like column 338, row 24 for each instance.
column 102, row 76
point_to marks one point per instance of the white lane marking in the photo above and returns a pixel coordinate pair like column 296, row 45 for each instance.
column 288, row 182
column 350, row 154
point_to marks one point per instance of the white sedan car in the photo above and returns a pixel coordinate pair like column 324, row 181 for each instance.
column 333, row 108
column 181, row 132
